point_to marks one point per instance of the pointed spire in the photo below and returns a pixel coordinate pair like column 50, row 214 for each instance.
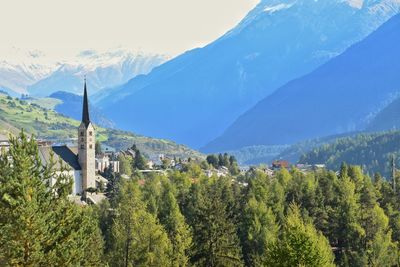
column 85, row 111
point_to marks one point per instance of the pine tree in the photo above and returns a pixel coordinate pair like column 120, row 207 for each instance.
column 139, row 162
column 300, row 244
column 259, row 232
column 347, row 229
column 258, row 224
column 39, row 226
column 138, row 239
column 377, row 243
column 174, row 223
column 214, row 226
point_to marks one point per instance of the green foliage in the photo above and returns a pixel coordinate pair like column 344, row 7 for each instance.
column 125, row 165
column 97, row 148
column 371, row 151
column 211, row 214
column 138, row 239
column 184, row 218
column 47, row 124
column 174, row 223
column 300, row 244
column 139, row 162
column 223, row 160
column 39, row 226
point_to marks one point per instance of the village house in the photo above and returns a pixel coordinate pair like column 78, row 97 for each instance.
column 4, row 143
column 280, row 164
column 104, row 161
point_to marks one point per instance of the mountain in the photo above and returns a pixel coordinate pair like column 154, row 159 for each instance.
column 20, row 69
column 371, row 151
column 343, row 95
column 71, row 105
column 16, row 114
column 387, row 119
column 102, row 70
column 193, row 98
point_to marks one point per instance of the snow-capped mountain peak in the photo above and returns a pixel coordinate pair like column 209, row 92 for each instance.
column 34, row 72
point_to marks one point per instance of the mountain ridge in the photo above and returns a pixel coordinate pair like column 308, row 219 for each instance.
column 209, row 87
column 365, row 75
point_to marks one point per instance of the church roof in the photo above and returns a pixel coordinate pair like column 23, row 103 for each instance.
column 67, row 155
column 85, row 110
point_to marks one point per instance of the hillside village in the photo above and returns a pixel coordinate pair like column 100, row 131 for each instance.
column 88, row 162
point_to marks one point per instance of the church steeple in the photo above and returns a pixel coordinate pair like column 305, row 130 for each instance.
column 86, row 145
column 85, row 110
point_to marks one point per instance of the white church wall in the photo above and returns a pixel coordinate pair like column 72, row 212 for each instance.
column 77, row 183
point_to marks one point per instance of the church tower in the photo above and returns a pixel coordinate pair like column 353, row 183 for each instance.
column 86, row 146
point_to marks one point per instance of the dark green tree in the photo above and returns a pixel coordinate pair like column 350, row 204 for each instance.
column 39, row 225
column 214, row 225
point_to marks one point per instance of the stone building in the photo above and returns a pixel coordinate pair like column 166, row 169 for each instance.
column 78, row 162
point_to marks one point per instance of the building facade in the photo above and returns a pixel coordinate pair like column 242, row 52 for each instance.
column 86, row 146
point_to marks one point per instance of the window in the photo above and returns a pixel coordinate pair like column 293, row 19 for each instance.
column 90, row 133
column 90, row 146
column 81, row 133
column 82, row 146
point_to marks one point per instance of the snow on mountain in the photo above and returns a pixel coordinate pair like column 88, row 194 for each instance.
column 34, row 72
column 208, row 88
column 102, row 70
column 19, row 69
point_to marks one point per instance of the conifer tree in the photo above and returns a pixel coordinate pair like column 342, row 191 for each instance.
column 214, row 226
column 39, row 226
column 138, row 239
column 348, row 232
column 174, row 223
column 300, row 244
column 260, row 231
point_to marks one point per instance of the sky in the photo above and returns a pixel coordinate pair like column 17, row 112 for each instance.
column 63, row 27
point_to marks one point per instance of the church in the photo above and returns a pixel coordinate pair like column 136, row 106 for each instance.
column 78, row 162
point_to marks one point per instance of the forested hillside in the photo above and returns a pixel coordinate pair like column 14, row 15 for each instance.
column 185, row 218
column 47, row 124
column 372, row 151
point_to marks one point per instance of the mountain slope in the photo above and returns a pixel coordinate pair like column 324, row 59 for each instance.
column 387, row 119
column 340, row 96
column 101, row 69
column 21, row 70
column 194, row 97
column 46, row 124
column 71, row 106
column 372, row 151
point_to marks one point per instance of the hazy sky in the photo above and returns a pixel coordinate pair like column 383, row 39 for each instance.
column 163, row 26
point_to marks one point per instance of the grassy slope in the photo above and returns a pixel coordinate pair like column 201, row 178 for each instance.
column 47, row 124
column 47, row 102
